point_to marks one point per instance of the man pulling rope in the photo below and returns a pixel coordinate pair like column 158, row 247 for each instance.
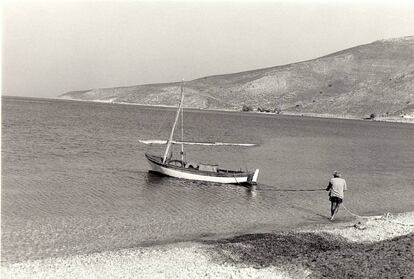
column 336, row 188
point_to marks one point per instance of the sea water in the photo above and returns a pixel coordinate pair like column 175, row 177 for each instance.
column 75, row 179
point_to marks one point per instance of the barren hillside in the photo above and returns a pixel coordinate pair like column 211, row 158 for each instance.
column 374, row 78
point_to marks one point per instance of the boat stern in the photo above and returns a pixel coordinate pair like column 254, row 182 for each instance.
column 252, row 178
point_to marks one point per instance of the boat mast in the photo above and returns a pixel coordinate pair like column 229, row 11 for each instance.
column 167, row 150
column 182, row 122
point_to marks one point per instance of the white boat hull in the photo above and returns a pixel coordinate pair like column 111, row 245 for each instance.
column 237, row 178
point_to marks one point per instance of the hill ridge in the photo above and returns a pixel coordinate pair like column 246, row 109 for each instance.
column 375, row 78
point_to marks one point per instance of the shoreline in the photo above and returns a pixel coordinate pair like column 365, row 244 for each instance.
column 298, row 114
column 393, row 119
column 363, row 247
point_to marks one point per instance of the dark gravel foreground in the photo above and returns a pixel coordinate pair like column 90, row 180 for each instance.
column 325, row 255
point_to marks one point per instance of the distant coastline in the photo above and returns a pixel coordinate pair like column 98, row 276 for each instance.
column 299, row 114
column 391, row 119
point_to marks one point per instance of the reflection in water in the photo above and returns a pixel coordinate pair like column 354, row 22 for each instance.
column 155, row 178
column 251, row 191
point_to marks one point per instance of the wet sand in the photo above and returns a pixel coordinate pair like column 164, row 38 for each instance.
column 377, row 247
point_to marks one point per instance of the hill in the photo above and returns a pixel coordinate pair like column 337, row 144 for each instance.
column 373, row 78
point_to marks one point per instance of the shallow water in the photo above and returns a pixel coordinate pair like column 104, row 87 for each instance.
column 75, row 180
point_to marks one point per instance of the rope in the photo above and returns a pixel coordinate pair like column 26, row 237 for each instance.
column 236, row 180
column 386, row 217
column 297, row 190
column 290, row 190
column 389, row 216
column 356, row 215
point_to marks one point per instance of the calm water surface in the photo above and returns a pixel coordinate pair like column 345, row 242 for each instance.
column 75, row 179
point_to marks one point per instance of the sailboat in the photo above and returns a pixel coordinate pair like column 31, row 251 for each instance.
column 180, row 168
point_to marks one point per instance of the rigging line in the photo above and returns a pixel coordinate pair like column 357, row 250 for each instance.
column 182, row 122
column 236, row 179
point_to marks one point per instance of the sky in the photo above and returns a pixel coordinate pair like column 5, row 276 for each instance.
column 52, row 47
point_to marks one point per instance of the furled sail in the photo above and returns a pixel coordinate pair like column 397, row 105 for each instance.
column 197, row 143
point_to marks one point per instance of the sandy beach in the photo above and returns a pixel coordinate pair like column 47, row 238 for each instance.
column 375, row 247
